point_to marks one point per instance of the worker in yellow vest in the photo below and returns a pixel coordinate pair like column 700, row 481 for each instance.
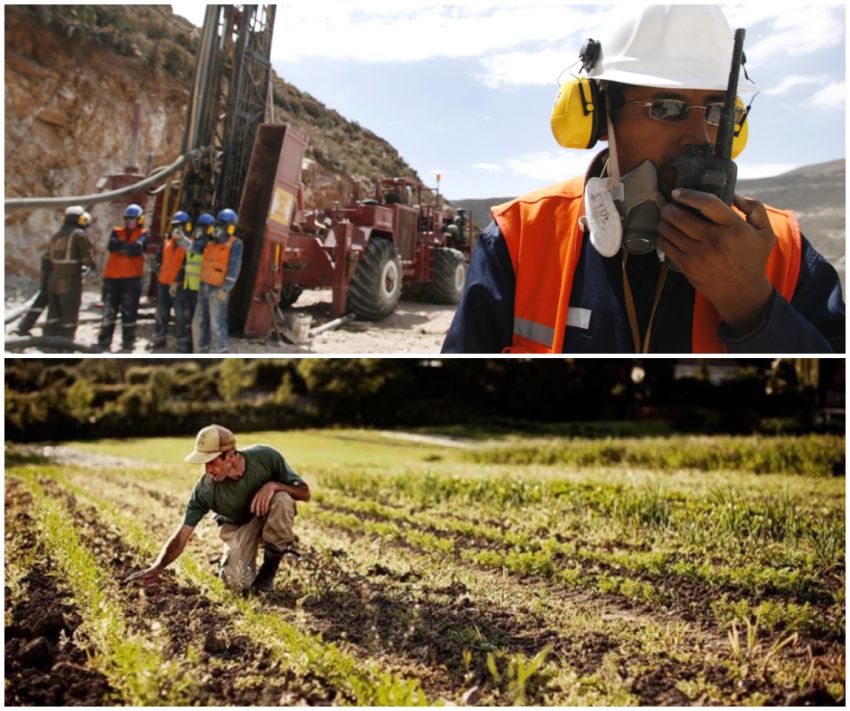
column 122, row 279
column 222, row 260
column 629, row 257
column 169, row 264
column 187, row 288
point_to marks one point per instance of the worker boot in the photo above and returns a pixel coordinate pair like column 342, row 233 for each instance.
column 265, row 577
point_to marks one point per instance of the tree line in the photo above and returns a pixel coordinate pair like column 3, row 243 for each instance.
column 92, row 398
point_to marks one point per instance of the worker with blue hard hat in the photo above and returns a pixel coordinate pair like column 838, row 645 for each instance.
column 220, row 266
column 169, row 266
column 122, row 279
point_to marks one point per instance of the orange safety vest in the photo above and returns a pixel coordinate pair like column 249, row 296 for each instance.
column 172, row 261
column 544, row 239
column 216, row 257
column 121, row 266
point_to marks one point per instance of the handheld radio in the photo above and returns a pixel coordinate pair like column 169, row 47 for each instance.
column 697, row 168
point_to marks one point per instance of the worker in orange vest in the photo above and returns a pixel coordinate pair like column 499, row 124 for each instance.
column 122, row 279
column 219, row 271
column 625, row 258
column 169, row 265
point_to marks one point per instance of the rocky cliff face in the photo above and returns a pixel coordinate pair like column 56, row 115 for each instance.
column 72, row 75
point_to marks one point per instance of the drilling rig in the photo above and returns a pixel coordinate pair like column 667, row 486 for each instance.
column 403, row 238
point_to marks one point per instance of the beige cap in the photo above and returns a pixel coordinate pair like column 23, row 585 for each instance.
column 210, row 442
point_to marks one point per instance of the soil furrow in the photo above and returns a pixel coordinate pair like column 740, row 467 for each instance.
column 46, row 661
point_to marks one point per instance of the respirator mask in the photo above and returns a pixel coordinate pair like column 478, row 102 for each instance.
column 623, row 213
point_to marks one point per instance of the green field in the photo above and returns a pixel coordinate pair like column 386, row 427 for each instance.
column 552, row 571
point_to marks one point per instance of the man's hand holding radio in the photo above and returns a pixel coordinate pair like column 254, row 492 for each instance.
column 722, row 254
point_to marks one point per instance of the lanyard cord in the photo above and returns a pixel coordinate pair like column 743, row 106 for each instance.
column 630, row 306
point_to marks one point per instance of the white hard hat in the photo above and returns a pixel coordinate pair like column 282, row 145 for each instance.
column 74, row 211
column 682, row 46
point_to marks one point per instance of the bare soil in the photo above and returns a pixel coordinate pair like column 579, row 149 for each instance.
column 415, row 327
column 45, row 661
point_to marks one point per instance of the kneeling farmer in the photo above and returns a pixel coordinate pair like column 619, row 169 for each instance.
column 253, row 494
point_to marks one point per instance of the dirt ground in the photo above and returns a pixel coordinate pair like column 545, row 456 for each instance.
column 415, row 327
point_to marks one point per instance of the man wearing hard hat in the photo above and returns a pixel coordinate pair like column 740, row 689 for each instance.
column 639, row 255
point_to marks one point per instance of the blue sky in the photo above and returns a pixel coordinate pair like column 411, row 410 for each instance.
column 465, row 90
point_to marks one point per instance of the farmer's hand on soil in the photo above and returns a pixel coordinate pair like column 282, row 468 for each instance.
column 722, row 255
column 263, row 499
column 148, row 575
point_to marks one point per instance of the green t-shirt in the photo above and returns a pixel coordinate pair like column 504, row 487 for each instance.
column 231, row 498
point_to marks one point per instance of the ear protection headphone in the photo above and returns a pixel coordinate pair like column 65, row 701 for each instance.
column 579, row 110
column 231, row 229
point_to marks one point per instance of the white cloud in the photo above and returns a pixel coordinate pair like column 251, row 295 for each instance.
column 515, row 40
column 830, row 96
column 754, row 171
column 787, row 31
column 542, row 166
column 525, row 68
column 549, row 166
column 790, row 82
column 382, row 31
column 489, row 167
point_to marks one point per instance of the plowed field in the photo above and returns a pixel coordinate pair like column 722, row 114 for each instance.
column 430, row 574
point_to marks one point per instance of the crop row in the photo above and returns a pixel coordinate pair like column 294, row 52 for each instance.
column 295, row 650
column 521, row 553
column 517, row 671
column 675, row 637
column 605, row 683
column 811, row 454
column 134, row 664
column 778, row 527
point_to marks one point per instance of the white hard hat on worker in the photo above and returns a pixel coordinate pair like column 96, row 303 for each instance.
column 682, row 46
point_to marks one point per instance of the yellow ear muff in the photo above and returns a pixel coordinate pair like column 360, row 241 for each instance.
column 577, row 113
column 231, row 229
column 81, row 220
column 742, row 131
column 188, row 227
column 140, row 220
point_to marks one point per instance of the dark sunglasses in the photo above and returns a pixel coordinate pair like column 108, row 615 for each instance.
column 672, row 110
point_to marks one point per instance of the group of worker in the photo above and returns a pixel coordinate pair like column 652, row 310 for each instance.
column 196, row 269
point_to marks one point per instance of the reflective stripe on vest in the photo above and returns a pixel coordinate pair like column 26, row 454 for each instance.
column 172, row 261
column 192, row 282
column 214, row 266
column 121, row 266
column 544, row 239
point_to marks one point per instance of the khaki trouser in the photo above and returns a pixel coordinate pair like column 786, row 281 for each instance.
column 238, row 566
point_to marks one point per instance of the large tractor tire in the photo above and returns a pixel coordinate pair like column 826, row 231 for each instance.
column 376, row 285
column 449, row 277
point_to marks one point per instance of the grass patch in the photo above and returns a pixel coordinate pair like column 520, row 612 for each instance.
column 817, row 455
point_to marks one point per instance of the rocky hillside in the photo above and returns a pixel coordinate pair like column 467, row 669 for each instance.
column 815, row 192
column 72, row 74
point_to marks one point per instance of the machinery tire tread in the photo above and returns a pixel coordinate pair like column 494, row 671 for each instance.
column 444, row 288
column 365, row 297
